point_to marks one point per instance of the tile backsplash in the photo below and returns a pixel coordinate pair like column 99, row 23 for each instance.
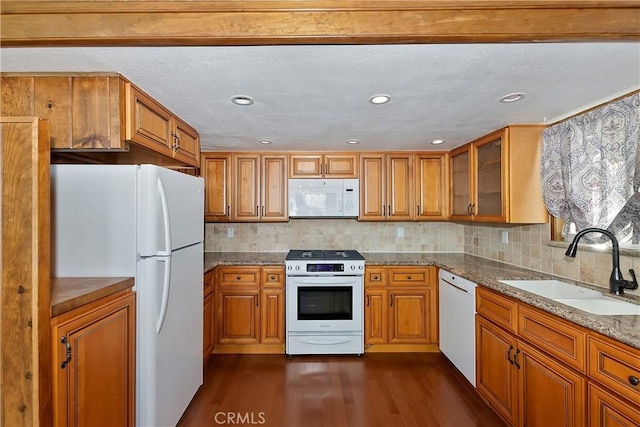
column 528, row 245
column 335, row 234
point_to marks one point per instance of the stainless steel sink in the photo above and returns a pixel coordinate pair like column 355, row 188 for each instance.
column 576, row 296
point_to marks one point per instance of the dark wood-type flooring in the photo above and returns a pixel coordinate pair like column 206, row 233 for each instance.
column 377, row 389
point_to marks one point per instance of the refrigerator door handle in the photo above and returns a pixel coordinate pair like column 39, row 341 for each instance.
column 166, row 285
column 165, row 216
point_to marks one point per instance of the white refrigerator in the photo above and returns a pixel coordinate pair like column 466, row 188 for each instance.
column 147, row 222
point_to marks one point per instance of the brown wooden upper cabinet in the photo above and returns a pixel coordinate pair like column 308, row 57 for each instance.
column 386, row 191
column 100, row 112
column 323, row 165
column 432, row 193
column 259, row 187
column 215, row 168
column 496, row 178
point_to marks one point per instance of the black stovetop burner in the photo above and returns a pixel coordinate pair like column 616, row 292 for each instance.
column 318, row 255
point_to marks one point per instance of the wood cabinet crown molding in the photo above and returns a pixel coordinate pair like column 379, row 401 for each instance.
column 185, row 23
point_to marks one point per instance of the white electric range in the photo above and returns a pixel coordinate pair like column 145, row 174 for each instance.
column 324, row 302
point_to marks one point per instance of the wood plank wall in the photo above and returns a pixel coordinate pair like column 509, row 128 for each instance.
column 25, row 289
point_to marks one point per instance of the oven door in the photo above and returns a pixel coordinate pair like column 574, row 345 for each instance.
column 324, row 304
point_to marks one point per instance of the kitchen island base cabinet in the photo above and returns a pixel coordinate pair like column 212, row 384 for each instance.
column 93, row 363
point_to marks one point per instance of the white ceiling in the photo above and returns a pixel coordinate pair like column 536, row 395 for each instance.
column 316, row 97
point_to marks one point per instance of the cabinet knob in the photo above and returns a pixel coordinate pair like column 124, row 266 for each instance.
column 237, row 277
column 408, row 277
column 272, row 278
column 634, row 380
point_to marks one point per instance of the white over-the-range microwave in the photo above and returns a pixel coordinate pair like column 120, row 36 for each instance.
column 324, row 198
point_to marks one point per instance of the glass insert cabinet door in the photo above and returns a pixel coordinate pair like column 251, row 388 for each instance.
column 461, row 185
column 477, row 178
column 489, row 179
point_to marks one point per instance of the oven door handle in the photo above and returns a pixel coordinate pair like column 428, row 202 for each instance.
column 325, row 341
column 329, row 281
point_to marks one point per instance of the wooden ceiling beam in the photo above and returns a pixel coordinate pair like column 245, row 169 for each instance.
column 210, row 23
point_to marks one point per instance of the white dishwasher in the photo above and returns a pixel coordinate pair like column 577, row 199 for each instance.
column 457, row 306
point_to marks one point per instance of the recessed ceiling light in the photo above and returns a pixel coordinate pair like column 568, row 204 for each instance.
column 379, row 99
column 437, row 141
column 512, row 97
column 353, row 141
column 242, row 100
column 264, row 141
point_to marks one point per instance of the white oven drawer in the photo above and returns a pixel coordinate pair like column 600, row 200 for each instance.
column 325, row 344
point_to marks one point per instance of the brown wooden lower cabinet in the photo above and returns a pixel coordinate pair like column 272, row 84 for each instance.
column 208, row 316
column 272, row 316
column 608, row 410
column 527, row 386
column 208, row 327
column 249, row 305
column 93, row 363
column 404, row 313
column 550, row 393
column 409, row 320
column 376, row 324
column 495, row 374
column 238, row 316
column 536, row 369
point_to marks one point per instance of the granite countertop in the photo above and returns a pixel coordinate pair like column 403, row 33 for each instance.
column 485, row 272
column 68, row 293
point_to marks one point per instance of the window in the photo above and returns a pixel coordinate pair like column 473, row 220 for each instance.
column 591, row 172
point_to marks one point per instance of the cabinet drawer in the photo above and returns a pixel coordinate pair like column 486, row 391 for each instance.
column 500, row 310
column 273, row 277
column 208, row 282
column 238, row 277
column 412, row 276
column 551, row 334
column 375, row 276
column 615, row 365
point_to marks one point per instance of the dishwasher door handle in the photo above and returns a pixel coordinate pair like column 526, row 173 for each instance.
column 455, row 286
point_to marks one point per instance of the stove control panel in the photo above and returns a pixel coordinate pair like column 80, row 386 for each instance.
column 325, row 268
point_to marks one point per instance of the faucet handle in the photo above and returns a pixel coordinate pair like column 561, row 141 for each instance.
column 634, row 281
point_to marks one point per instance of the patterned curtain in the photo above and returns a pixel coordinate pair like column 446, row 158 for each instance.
column 591, row 170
